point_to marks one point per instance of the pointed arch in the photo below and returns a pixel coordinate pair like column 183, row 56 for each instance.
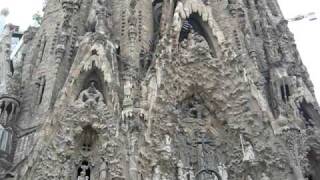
column 197, row 23
column 96, row 60
column 94, row 75
column 194, row 22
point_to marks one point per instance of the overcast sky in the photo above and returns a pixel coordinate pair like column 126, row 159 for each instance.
column 307, row 33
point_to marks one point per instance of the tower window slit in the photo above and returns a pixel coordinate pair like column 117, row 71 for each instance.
column 285, row 92
column 2, row 107
column 43, row 50
column 42, row 86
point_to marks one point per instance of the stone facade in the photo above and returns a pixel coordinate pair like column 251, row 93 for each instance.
column 157, row 90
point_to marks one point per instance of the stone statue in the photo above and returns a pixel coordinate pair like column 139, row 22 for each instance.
column 222, row 171
column 156, row 173
column 247, row 148
column 103, row 171
column 199, row 44
column 178, row 14
column 167, row 143
column 91, row 96
column 181, row 175
column 83, row 176
column 248, row 153
column 264, row 177
column 191, row 174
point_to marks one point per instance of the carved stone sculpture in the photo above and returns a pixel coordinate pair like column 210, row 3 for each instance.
column 247, row 149
column 223, row 171
column 248, row 154
column 83, row 176
column 91, row 96
column 103, row 171
column 156, row 173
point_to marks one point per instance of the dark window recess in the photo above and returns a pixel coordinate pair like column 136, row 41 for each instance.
column 88, row 138
column 43, row 50
column 84, row 170
column 2, row 107
column 94, row 52
column 11, row 67
column 9, row 108
column 118, row 51
column 309, row 113
column 41, row 85
column 308, row 177
column 188, row 176
column 196, row 25
column 285, row 92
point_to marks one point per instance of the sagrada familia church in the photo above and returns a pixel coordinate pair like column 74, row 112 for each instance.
column 157, row 90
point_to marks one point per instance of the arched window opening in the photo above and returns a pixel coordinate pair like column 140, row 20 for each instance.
column 84, row 171
column 285, row 92
column 2, row 107
column 10, row 108
column 194, row 25
column 88, row 139
column 92, row 88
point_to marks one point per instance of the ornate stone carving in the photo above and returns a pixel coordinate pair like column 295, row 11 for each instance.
column 91, row 96
column 248, row 151
column 222, row 169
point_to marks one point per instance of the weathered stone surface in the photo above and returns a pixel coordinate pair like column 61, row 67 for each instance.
column 157, row 90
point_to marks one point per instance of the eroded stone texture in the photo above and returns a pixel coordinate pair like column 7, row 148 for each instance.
column 157, row 90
